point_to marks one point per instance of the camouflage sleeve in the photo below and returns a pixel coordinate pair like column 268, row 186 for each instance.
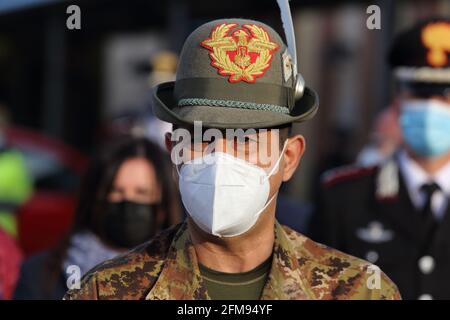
column 88, row 289
column 388, row 290
column 380, row 287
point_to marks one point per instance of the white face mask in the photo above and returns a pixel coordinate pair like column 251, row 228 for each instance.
column 225, row 195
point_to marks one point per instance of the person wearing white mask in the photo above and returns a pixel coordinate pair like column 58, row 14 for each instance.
column 236, row 95
column 396, row 213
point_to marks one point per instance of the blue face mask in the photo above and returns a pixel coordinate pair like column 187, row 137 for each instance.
column 425, row 125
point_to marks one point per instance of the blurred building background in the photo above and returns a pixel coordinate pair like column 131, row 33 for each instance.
column 70, row 88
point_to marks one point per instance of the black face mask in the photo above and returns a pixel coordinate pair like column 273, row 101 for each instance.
column 127, row 224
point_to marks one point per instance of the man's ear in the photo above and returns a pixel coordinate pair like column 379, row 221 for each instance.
column 169, row 146
column 168, row 141
column 295, row 147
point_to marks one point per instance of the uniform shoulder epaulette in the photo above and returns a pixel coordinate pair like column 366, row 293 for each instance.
column 345, row 173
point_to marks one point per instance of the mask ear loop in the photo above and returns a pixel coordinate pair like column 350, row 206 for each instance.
column 277, row 163
column 176, row 166
column 271, row 173
column 268, row 202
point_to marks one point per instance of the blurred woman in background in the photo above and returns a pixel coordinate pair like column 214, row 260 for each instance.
column 10, row 259
column 127, row 196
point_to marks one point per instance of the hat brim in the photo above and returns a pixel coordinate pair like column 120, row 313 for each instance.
column 166, row 108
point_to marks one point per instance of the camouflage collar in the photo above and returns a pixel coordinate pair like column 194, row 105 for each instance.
column 180, row 276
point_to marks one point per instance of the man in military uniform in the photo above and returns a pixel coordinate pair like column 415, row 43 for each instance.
column 234, row 74
column 396, row 214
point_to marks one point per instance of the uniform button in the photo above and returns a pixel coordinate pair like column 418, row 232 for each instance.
column 425, row 297
column 372, row 256
column 426, row 264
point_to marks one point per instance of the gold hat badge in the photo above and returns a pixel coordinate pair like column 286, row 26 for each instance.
column 436, row 38
column 244, row 54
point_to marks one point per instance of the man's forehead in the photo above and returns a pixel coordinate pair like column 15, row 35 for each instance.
column 228, row 131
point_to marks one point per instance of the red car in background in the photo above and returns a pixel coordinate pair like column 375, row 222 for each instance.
column 56, row 169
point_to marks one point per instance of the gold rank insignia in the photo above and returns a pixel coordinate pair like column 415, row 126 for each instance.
column 436, row 38
column 245, row 54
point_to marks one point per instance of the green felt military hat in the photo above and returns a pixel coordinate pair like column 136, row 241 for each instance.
column 235, row 73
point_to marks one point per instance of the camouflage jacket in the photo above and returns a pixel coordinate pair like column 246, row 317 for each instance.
column 166, row 268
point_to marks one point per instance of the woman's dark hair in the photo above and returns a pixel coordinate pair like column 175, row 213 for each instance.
column 101, row 173
column 98, row 181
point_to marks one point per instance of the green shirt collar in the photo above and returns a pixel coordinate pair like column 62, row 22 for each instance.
column 180, row 277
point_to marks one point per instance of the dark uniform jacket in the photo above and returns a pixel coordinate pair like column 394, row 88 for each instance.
column 367, row 212
column 37, row 282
